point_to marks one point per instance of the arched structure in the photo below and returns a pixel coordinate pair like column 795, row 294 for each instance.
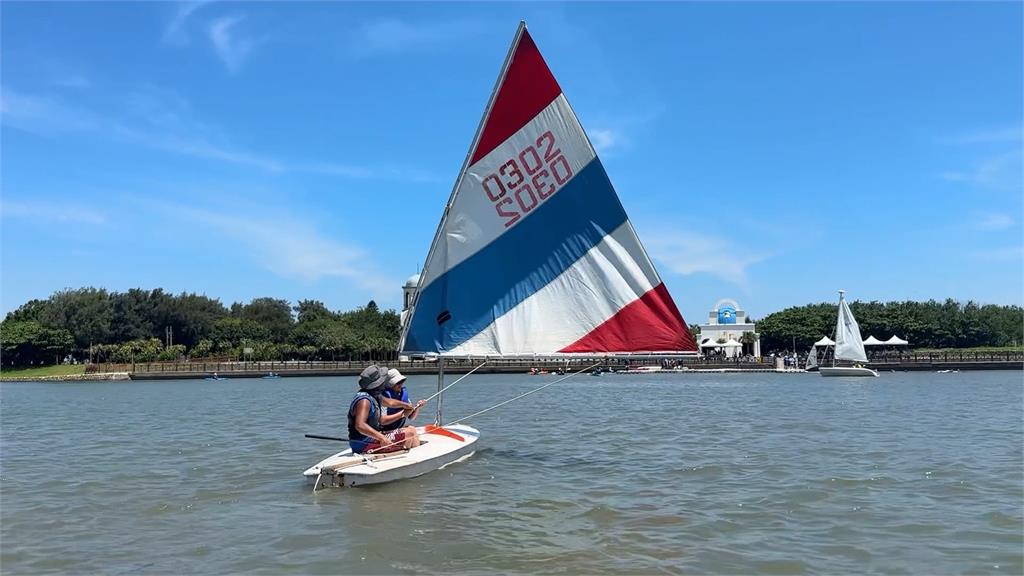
column 727, row 321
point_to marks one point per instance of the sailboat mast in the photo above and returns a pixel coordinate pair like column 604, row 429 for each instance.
column 835, row 347
column 440, row 386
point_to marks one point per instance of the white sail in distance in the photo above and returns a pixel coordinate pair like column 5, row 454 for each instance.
column 849, row 345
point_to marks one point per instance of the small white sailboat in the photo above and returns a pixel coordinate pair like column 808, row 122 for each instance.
column 534, row 257
column 812, row 360
column 849, row 345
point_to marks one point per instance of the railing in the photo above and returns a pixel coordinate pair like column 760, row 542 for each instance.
column 525, row 364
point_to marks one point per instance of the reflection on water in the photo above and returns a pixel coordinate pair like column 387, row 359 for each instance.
column 724, row 473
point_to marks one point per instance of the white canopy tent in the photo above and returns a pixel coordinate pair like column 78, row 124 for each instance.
column 825, row 341
column 896, row 341
column 732, row 343
column 709, row 343
column 872, row 341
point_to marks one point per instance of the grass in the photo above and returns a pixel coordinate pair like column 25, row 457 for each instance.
column 57, row 370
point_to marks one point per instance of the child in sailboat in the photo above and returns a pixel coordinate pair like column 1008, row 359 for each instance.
column 366, row 417
column 394, row 389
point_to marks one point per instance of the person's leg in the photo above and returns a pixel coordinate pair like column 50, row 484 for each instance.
column 412, row 439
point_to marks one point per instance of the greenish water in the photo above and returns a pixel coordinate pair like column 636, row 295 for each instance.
column 723, row 473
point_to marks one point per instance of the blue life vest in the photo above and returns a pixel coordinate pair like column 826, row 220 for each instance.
column 401, row 421
column 373, row 418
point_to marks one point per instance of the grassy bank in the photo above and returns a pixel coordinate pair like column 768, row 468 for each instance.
column 58, row 370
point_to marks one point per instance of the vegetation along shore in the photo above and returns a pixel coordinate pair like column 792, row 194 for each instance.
column 142, row 326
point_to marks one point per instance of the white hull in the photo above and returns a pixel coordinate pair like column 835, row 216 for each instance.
column 846, row 371
column 347, row 469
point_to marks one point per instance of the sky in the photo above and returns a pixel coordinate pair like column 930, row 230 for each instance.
column 768, row 153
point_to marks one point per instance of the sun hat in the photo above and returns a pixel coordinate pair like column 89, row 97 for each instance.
column 373, row 377
column 395, row 377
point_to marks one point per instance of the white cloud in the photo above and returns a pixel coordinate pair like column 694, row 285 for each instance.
column 693, row 252
column 52, row 211
column 393, row 36
column 603, row 140
column 999, row 172
column 993, row 221
column 231, row 47
column 174, row 32
column 1003, row 134
column 1009, row 253
column 161, row 120
column 289, row 247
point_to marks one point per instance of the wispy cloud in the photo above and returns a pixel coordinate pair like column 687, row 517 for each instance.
column 1008, row 253
column 992, row 221
column 391, row 36
column 686, row 252
column 230, row 45
column 175, row 32
column 1013, row 133
column 604, row 140
column 288, row 246
column 161, row 120
column 51, row 211
column 999, row 172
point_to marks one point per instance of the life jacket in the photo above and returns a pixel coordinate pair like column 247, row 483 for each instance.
column 373, row 418
column 401, row 421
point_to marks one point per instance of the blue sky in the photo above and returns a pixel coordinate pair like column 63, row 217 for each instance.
column 770, row 153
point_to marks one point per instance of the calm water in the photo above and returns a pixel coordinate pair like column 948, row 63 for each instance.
column 729, row 473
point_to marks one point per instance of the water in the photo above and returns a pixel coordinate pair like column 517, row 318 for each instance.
column 724, row 473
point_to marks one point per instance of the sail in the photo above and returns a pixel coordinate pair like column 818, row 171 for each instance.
column 849, row 345
column 812, row 358
column 534, row 253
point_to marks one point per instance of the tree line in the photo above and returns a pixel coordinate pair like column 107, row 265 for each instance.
column 150, row 325
column 930, row 324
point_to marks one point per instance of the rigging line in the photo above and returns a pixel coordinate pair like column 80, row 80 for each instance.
column 438, row 393
column 567, row 376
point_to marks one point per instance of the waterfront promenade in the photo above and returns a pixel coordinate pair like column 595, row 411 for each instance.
column 199, row 369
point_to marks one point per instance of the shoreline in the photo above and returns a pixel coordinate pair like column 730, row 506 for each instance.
column 197, row 371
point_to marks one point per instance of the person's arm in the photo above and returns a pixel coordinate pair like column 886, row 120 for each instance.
column 393, row 403
column 389, row 418
column 416, row 410
column 362, row 413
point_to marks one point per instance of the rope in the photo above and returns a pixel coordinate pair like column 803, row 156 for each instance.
column 566, row 377
column 460, row 420
column 438, row 393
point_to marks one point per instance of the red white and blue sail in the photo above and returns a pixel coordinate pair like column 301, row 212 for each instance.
column 535, row 253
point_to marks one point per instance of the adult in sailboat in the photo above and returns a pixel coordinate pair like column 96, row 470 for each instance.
column 367, row 419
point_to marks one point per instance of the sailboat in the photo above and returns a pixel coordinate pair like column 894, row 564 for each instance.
column 849, row 345
column 534, row 256
column 812, row 360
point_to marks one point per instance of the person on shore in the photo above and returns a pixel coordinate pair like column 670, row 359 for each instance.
column 394, row 389
column 366, row 418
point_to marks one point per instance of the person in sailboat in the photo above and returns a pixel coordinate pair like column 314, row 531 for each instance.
column 395, row 389
column 366, row 417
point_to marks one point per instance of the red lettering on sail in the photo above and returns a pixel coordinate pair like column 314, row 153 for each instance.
column 510, row 190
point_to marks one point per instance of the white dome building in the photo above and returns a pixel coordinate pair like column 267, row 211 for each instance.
column 409, row 291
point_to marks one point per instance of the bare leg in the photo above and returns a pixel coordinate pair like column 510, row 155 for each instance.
column 412, row 439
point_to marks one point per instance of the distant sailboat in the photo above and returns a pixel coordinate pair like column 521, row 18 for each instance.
column 812, row 360
column 849, row 345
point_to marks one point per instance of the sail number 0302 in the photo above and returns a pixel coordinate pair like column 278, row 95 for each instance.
column 526, row 180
